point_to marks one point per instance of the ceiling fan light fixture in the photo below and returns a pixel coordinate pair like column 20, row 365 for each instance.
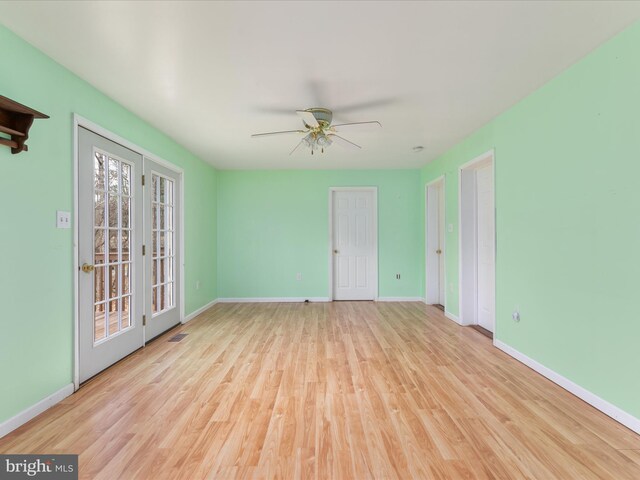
column 309, row 140
column 323, row 141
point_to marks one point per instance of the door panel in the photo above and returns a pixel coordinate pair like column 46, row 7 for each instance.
column 354, row 244
column 486, row 247
column 162, row 259
column 110, row 242
column 440, row 251
column 434, row 238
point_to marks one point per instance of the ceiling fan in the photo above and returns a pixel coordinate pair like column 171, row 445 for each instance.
column 318, row 131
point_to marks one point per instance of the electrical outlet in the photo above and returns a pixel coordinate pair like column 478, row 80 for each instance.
column 515, row 316
column 197, row 284
column 63, row 219
column 450, row 227
column 397, row 276
column 451, row 287
column 298, row 276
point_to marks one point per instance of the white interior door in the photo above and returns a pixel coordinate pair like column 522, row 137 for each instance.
column 162, row 249
column 109, row 249
column 435, row 223
column 440, row 250
column 355, row 269
column 486, row 247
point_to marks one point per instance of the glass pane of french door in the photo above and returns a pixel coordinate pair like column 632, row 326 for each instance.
column 112, row 246
column 163, row 239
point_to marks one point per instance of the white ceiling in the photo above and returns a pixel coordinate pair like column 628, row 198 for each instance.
column 207, row 73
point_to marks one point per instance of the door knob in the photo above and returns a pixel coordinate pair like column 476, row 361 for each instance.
column 86, row 268
column 438, row 251
column 335, row 251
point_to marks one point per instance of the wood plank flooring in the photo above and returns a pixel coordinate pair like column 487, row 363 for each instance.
column 344, row 390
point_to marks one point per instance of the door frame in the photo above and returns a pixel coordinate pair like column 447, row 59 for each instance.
column 374, row 190
column 428, row 296
column 79, row 121
column 468, row 243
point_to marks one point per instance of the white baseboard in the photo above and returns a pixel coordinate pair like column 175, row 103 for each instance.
column 605, row 407
column 197, row 312
column 33, row 411
column 272, row 299
column 400, row 299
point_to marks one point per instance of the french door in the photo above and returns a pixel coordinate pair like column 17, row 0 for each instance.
column 110, row 246
column 162, row 252
column 128, row 251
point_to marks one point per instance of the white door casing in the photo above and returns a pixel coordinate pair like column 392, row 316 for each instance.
column 486, row 247
column 477, row 239
column 353, row 217
column 110, row 305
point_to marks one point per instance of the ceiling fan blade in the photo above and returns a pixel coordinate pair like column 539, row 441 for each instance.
column 308, row 118
column 273, row 110
column 381, row 102
column 343, row 142
column 360, row 126
column 267, row 134
column 296, row 147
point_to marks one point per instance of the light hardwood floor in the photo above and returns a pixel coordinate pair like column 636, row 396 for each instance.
column 342, row 390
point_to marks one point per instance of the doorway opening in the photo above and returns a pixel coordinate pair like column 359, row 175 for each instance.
column 477, row 242
column 435, row 293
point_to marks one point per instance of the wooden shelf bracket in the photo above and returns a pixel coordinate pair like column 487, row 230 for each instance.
column 15, row 121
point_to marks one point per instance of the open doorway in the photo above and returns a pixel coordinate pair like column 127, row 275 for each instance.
column 477, row 243
column 434, row 254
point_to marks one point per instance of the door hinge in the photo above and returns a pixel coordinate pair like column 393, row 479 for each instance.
column 144, row 250
column 144, row 320
column 143, row 180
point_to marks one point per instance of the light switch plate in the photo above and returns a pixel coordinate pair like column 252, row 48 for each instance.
column 63, row 219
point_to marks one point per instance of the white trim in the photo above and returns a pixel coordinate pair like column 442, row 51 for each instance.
column 400, row 299
column 592, row 399
column 79, row 121
column 200, row 310
column 480, row 158
column 76, row 260
column 108, row 134
column 441, row 178
column 27, row 414
column 272, row 299
column 374, row 190
column 453, row 317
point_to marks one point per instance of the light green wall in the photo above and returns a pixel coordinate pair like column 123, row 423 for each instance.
column 36, row 278
column 568, row 221
column 274, row 224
